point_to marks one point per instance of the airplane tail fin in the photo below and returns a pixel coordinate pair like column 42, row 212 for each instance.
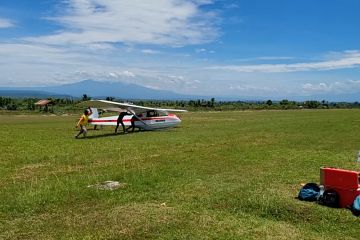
column 95, row 113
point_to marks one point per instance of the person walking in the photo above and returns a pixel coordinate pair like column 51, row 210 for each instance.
column 84, row 119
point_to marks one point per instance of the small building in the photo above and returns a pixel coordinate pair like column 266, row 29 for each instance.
column 44, row 104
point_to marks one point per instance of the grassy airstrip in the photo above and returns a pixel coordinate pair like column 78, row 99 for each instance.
column 230, row 175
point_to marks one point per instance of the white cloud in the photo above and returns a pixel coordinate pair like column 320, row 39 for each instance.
column 231, row 6
column 32, row 54
column 28, row 64
column 348, row 86
column 203, row 50
column 309, row 87
column 347, row 59
column 200, row 50
column 270, row 58
column 87, row 46
column 264, row 58
column 152, row 87
column 125, row 73
column 6, row 23
column 247, row 88
column 175, row 77
column 150, row 51
column 160, row 22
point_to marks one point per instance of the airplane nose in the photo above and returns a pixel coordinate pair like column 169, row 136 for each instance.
column 177, row 118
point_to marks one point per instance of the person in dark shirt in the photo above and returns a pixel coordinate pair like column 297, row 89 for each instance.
column 120, row 121
column 132, row 127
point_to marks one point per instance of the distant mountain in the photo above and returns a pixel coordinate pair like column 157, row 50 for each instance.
column 102, row 89
column 112, row 89
column 30, row 94
column 97, row 89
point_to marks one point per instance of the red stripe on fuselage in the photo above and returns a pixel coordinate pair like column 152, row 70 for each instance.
column 127, row 120
column 98, row 120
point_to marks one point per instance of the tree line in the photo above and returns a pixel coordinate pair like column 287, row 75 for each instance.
column 71, row 105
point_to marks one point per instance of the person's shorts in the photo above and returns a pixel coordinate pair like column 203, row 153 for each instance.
column 83, row 128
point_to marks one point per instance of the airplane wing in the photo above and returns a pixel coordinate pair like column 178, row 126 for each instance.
column 131, row 107
column 114, row 109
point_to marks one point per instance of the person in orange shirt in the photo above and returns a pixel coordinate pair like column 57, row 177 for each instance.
column 82, row 123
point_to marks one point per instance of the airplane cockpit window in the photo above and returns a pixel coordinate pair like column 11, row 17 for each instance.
column 152, row 113
column 162, row 113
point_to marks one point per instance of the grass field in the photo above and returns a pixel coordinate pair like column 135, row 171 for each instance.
column 231, row 175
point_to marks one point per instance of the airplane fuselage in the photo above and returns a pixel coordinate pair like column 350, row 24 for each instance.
column 146, row 123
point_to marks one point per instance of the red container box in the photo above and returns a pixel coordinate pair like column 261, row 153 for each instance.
column 344, row 182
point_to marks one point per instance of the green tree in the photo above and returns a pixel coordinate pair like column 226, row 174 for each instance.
column 284, row 102
column 312, row 104
column 212, row 102
column 86, row 97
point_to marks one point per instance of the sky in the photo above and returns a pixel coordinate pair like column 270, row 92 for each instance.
column 240, row 48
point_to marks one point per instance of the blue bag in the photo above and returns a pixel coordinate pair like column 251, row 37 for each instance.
column 355, row 209
column 310, row 192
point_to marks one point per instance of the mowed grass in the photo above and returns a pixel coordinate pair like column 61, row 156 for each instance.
column 220, row 175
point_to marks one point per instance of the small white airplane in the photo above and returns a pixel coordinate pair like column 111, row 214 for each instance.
column 144, row 118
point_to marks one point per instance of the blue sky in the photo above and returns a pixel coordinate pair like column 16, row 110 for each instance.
column 256, row 48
